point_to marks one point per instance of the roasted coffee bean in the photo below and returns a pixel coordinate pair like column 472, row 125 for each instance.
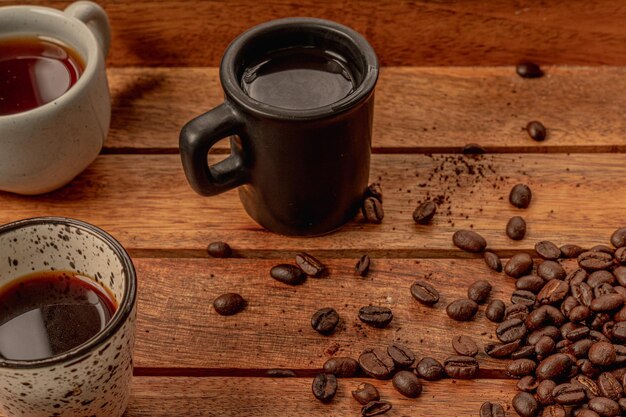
column 604, row 407
column 527, row 383
column 579, row 314
column 425, row 212
column 525, row 404
column 554, row 411
column 520, row 367
column 424, row 293
column 532, row 283
column 568, row 394
column 523, row 297
column 582, row 293
column 519, row 265
column 523, row 352
column 407, row 384
column 365, row 393
column 341, row 367
column 229, row 304
column 377, row 363
column 493, row 261
column 479, row 291
column 402, row 356
column 502, row 350
column 462, row 310
column 599, row 320
column 553, row 292
column 620, row 354
column 516, row 311
column 536, row 130
column 516, row 228
column 619, row 332
column 548, row 250
column 528, row 70
column 620, row 290
column 600, row 277
column 550, row 331
column 324, row 387
column 554, row 366
column 622, row 404
column 580, row 348
column 620, row 315
column 544, row 347
column 309, row 264
column 430, row 369
column 577, row 276
column 602, row 353
column 588, row 385
column 595, row 261
column 469, row 241
column 461, row 367
column 607, row 302
column 362, row 267
column 511, row 330
column 376, row 316
column 618, row 238
column 609, row 386
column 219, row 250
column 569, row 303
column 603, row 248
column 607, row 329
column 544, row 392
column 464, row 346
column 288, row 274
column 280, row 373
column 571, row 251
column 375, row 190
column 489, row 409
column 375, row 408
column 603, row 289
column 620, row 275
column 520, row 196
column 325, row 320
column 550, row 270
column 584, row 412
column 587, row 368
column 495, row 311
column 373, row 210
column 574, row 331
column 620, row 255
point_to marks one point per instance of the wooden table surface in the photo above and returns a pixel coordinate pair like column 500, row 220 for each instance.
column 430, row 103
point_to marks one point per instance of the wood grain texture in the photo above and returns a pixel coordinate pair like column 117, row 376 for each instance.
column 417, row 109
column 145, row 201
column 178, row 327
column 263, row 397
column 456, row 32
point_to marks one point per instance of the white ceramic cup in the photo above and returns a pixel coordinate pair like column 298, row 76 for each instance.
column 45, row 148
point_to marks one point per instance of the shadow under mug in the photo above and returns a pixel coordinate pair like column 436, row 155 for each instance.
column 299, row 171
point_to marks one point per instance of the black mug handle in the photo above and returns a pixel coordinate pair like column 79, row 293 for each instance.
column 196, row 139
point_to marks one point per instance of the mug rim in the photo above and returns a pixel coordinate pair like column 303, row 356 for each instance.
column 125, row 308
column 91, row 63
column 230, row 80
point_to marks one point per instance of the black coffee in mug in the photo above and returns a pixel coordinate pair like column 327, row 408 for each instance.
column 299, row 106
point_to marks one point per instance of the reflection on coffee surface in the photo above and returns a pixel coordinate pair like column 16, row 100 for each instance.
column 48, row 313
column 298, row 79
column 35, row 71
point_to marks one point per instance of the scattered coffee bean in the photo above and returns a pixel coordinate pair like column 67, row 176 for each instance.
column 548, row 250
column 528, row 70
column 520, row 367
column 469, row 241
column 462, row 310
column 461, row 367
column 407, row 384
column 532, row 283
column 587, row 413
column 588, row 385
column 375, row 408
column 605, row 407
column 523, row 297
column 479, row 291
column 288, row 274
column 493, row 261
column 602, row 353
column 229, row 304
column 424, row 293
column 325, row 320
column 609, row 386
column 489, row 409
column 618, row 238
column 571, row 251
column 523, row 352
column 527, row 383
column 511, row 330
column 280, row 373
column 568, row 394
column 602, row 248
column 495, row 311
column 520, row 196
column 536, row 130
column 377, row 363
column 544, row 392
column 375, row 190
column 504, row 350
column 425, row 212
column 525, row 404
column 373, row 210
column 607, row 302
column 516, row 228
column 550, row 270
column 620, row 255
column 519, row 265
column 402, row 356
column 544, row 347
column 309, row 264
column 464, row 346
column 430, row 369
column 341, row 367
column 376, row 316
column 366, row 393
column 595, row 261
column 554, row 366
column 554, row 411
column 219, row 250
column 324, row 387
column 516, row 311
column 553, row 292
column 363, row 266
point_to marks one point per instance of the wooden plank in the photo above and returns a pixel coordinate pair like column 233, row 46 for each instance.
column 178, row 327
column 260, row 397
column 195, row 33
column 417, row 109
column 145, row 201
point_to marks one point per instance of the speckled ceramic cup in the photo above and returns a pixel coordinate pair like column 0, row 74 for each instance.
column 94, row 378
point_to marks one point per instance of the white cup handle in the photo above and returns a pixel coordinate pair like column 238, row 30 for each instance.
column 96, row 20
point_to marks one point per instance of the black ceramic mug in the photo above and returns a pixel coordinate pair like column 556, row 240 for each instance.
column 301, row 137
